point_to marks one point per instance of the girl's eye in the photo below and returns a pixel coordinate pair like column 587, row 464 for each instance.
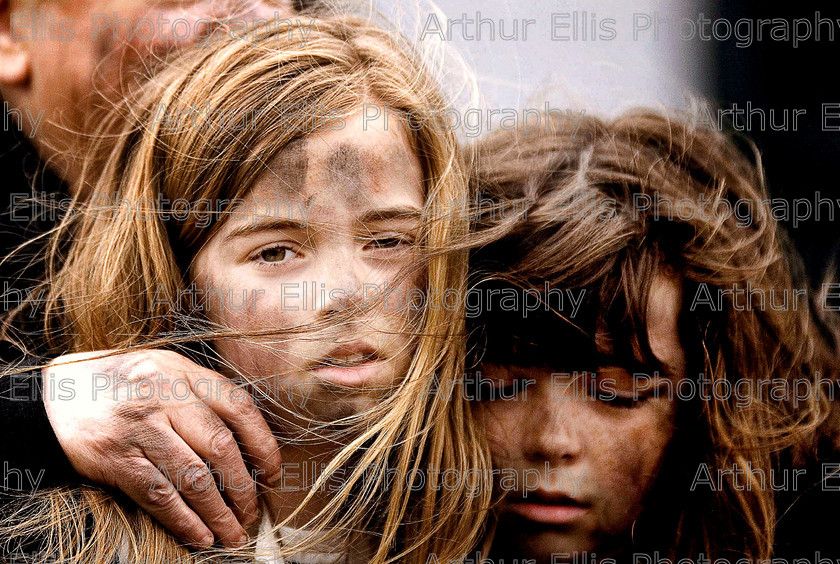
column 615, row 400
column 616, row 387
column 390, row 242
column 275, row 254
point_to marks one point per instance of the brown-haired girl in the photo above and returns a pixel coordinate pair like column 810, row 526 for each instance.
column 645, row 411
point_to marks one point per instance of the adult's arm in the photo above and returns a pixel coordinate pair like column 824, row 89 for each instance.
column 144, row 422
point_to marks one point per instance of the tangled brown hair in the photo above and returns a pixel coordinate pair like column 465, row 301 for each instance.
column 599, row 207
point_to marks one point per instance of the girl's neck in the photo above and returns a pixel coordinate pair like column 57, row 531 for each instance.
column 302, row 465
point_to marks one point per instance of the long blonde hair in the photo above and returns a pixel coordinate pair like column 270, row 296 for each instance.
column 108, row 263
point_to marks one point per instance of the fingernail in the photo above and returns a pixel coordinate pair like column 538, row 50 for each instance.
column 242, row 540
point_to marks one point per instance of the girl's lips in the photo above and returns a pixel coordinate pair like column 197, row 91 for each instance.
column 356, row 375
column 350, row 364
column 549, row 513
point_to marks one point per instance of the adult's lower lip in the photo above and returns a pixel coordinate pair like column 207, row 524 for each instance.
column 550, row 513
column 357, row 375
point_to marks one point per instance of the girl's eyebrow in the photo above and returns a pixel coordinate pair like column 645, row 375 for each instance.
column 386, row 214
column 269, row 224
column 286, row 224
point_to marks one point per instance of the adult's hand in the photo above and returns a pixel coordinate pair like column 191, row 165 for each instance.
column 147, row 421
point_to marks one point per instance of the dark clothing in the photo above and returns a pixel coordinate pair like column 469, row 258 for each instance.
column 30, row 454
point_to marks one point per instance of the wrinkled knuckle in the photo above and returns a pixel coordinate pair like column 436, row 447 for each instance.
column 141, row 364
column 161, row 494
column 221, row 442
column 144, row 370
column 242, row 400
column 197, row 477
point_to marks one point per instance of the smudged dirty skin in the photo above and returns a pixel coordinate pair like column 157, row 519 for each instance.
column 360, row 196
column 602, row 457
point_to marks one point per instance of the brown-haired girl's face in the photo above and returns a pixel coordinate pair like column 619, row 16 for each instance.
column 328, row 230
column 584, row 452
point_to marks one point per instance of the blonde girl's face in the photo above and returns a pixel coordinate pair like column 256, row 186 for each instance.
column 584, row 463
column 322, row 249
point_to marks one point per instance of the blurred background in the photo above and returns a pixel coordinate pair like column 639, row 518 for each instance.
column 604, row 56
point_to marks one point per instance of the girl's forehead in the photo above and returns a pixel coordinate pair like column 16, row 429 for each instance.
column 350, row 174
column 352, row 162
column 359, row 146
